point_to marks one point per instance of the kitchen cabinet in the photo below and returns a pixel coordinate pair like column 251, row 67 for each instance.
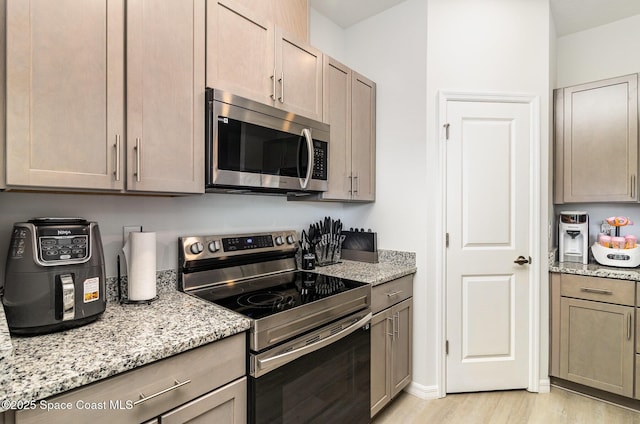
column 596, row 141
column 391, row 340
column 280, row 70
column 207, row 383
column 2, row 96
column 292, row 15
column 165, row 95
column 64, row 93
column 65, row 66
column 349, row 109
column 593, row 342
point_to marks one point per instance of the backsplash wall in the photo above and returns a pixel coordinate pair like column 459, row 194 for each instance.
column 598, row 213
column 169, row 217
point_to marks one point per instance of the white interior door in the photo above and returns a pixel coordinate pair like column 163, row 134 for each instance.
column 488, row 223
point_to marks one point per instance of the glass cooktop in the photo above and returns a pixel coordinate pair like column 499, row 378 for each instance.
column 270, row 295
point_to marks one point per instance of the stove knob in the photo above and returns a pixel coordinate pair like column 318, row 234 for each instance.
column 214, row 246
column 279, row 241
column 290, row 239
column 196, row 248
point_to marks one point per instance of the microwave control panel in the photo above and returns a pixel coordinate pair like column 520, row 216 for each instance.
column 319, row 160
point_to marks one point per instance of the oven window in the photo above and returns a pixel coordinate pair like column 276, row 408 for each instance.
column 245, row 147
column 331, row 385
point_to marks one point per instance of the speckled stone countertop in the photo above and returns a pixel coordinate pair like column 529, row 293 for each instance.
column 123, row 338
column 128, row 336
column 391, row 264
column 596, row 270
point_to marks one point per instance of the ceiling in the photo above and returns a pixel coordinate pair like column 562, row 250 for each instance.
column 570, row 15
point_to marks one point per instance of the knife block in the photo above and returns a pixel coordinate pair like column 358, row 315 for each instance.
column 360, row 246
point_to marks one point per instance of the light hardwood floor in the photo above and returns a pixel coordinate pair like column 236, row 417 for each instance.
column 517, row 406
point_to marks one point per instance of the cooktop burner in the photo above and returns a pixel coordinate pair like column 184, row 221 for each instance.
column 266, row 296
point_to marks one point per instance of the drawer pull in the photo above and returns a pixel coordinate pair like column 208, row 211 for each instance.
column 395, row 293
column 597, row 291
column 144, row 398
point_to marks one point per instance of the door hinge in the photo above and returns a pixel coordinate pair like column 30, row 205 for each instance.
column 446, row 131
column 446, row 240
column 446, row 347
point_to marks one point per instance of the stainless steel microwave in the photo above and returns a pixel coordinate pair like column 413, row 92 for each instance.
column 253, row 147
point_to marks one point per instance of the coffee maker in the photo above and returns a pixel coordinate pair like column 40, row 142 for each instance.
column 573, row 235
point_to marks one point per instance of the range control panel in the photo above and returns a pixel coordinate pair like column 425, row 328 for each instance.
column 195, row 248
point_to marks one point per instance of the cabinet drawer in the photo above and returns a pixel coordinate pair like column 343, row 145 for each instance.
column 621, row 292
column 111, row 400
column 388, row 294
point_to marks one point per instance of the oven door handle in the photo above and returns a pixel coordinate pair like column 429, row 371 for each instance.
column 276, row 361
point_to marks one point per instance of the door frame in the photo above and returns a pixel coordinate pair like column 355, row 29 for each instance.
column 445, row 96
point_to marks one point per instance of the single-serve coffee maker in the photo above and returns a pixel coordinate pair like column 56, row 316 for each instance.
column 573, row 234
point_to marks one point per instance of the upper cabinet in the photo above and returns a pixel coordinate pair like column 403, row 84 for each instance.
column 165, row 95
column 292, row 15
column 66, row 95
column 349, row 108
column 2, row 94
column 251, row 57
column 596, row 141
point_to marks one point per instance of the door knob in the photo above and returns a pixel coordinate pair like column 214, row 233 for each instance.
column 522, row 260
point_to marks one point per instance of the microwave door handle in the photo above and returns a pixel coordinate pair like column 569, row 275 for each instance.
column 310, row 159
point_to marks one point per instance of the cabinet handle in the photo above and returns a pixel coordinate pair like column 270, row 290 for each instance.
column 355, row 179
column 633, row 186
column 281, row 81
column 350, row 183
column 144, row 398
column 393, row 326
column 117, row 146
column 395, row 293
column 397, row 319
column 273, row 80
column 629, row 326
column 137, row 149
column 597, row 291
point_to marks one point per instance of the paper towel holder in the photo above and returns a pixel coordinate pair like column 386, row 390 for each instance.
column 123, row 300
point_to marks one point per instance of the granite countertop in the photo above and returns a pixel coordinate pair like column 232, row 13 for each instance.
column 391, row 265
column 595, row 270
column 129, row 336
column 123, row 338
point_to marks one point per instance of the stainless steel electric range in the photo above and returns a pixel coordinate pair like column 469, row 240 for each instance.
column 309, row 342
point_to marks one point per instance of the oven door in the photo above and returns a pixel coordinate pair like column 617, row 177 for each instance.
column 321, row 377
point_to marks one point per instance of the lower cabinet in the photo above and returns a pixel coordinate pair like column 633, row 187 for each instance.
column 205, row 384
column 597, row 345
column 391, row 341
column 593, row 332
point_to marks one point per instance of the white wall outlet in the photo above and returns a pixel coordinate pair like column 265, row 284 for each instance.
column 129, row 229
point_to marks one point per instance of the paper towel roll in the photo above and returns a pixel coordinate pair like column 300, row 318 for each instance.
column 140, row 254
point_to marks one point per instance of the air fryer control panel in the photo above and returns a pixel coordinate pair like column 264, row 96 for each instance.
column 60, row 244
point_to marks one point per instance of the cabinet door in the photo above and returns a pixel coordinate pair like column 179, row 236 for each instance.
column 2, row 96
column 227, row 405
column 292, row 15
column 65, row 93
column 240, row 51
column 401, row 349
column 337, row 113
column 363, row 137
column 299, row 75
column 381, row 325
column 596, row 345
column 165, row 95
column 600, row 140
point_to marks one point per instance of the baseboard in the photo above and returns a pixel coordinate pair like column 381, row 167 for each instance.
column 421, row 391
column 544, row 385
